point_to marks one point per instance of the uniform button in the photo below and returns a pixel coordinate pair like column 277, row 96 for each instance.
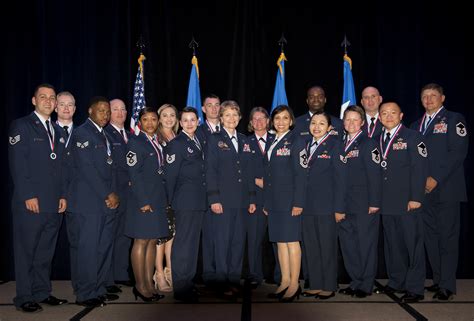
column 239, row 171
column 238, row 162
column 385, row 178
column 269, row 184
column 239, row 180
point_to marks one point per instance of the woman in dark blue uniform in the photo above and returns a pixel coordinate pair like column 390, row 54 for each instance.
column 284, row 194
column 358, row 232
column 146, row 215
column 231, row 193
column 186, row 188
column 324, row 206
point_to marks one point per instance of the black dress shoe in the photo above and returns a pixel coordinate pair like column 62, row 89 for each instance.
column 347, row 291
column 324, row 296
column 433, row 288
column 277, row 295
column 412, row 297
column 254, row 284
column 91, row 303
column 361, row 294
column 124, row 283
column 108, row 297
column 30, row 307
column 307, row 294
column 113, row 289
column 52, row 300
column 444, row 295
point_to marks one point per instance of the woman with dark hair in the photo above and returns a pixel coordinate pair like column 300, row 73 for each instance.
column 284, row 195
column 324, row 206
column 358, row 232
column 146, row 215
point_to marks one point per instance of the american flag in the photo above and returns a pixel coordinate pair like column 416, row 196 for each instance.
column 138, row 97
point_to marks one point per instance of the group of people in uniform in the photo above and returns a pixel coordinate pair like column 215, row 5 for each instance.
column 312, row 181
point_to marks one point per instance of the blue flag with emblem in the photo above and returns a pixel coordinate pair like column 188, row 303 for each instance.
column 348, row 92
column 279, row 95
column 194, row 93
column 138, row 97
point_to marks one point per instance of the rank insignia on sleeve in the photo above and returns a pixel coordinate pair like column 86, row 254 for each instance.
column 461, row 129
column 82, row 145
column 303, row 158
column 170, row 158
column 131, row 158
column 342, row 158
column 422, row 149
column 376, row 156
column 14, row 140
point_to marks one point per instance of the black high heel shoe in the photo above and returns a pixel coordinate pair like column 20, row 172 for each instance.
column 277, row 295
column 291, row 298
column 137, row 295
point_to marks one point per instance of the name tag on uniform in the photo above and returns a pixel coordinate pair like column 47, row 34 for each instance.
column 38, row 139
column 284, row 151
column 440, row 128
column 324, row 155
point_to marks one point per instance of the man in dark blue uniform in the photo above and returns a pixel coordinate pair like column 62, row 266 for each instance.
column 445, row 135
column 256, row 223
column 316, row 101
column 371, row 101
column 211, row 107
column 121, row 248
column 186, row 189
column 36, row 151
column 93, row 202
column 404, row 168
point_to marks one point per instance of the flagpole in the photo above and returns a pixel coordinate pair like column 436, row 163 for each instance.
column 279, row 94
column 348, row 91
column 194, row 92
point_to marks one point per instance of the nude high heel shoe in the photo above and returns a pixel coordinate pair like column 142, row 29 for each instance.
column 168, row 277
column 160, row 282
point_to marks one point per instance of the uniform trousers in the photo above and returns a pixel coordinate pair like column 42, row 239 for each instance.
column 184, row 254
column 320, row 249
column 34, row 243
column 255, row 225
column 122, row 246
column 358, row 238
column 229, row 244
column 441, row 227
column 404, row 252
column 208, row 255
column 95, row 234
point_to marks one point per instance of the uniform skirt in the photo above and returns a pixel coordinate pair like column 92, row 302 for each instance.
column 282, row 227
column 149, row 225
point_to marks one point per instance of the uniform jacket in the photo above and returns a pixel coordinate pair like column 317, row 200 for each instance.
column 146, row 176
column 364, row 175
column 285, row 174
column 327, row 176
column 447, row 141
column 377, row 130
column 93, row 178
column 119, row 151
column 34, row 173
column 404, row 177
column 258, row 161
column 185, row 174
column 229, row 175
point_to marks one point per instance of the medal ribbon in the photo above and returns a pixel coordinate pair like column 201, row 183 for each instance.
column 385, row 153
column 420, row 129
